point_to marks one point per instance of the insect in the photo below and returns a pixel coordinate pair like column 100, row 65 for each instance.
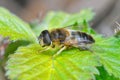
column 65, row 38
column 117, row 29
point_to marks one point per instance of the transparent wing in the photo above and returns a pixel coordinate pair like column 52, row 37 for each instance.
column 75, row 26
column 82, row 27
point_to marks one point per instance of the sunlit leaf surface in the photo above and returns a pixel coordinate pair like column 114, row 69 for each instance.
column 29, row 63
column 109, row 55
column 11, row 26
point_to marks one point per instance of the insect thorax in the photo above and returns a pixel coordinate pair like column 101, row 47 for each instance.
column 59, row 35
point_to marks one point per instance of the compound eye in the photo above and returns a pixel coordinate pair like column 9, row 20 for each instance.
column 47, row 38
column 40, row 39
column 44, row 38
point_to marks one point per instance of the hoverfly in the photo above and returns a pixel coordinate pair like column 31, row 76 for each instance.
column 65, row 38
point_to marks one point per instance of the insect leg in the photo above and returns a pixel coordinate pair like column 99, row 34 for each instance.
column 45, row 49
column 63, row 48
column 51, row 45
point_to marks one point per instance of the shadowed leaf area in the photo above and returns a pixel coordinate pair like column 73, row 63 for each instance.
column 104, row 75
column 12, row 47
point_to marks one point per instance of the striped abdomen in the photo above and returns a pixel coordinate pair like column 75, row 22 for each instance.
column 79, row 39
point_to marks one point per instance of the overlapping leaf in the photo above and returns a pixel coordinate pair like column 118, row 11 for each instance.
column 16, row 29
column 12, row 47
column 108, row 52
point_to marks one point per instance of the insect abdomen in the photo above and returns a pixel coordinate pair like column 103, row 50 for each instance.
column 82, row 37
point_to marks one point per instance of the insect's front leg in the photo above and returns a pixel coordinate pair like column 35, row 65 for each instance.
column 58, row 52
column 47, row 47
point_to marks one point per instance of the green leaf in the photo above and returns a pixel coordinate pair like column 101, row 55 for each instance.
column 12, row 47
column 104, row 75
column 61, row 19
column 16, row 29
column 29, row 63
column 87, row 28
column 108, row 52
